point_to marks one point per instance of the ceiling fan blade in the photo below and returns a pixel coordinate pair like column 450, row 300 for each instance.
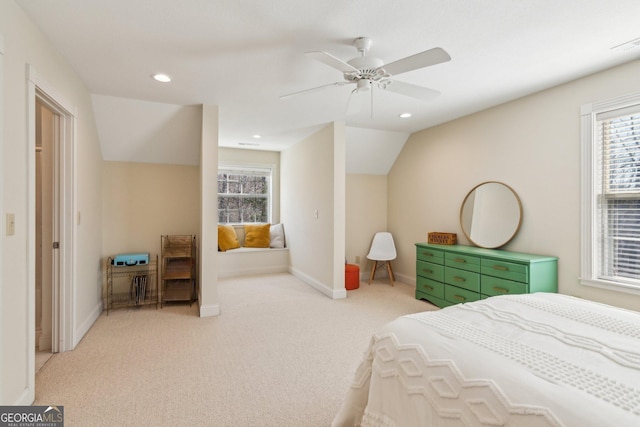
column 419, row 60
column 313, row 89
column 414, row 91
column 332, row 61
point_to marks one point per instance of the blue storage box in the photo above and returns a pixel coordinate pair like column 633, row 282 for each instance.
column 127, row 260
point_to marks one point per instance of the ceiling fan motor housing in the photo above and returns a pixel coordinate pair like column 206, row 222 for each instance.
column 369, row 67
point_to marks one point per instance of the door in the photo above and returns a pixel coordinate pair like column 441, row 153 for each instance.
column 47, row 231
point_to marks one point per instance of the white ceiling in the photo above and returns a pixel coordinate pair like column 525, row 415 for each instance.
column 242, row 55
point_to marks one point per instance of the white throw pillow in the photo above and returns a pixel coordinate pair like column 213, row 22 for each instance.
column 277, row 236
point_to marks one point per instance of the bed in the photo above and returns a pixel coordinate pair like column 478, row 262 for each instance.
column 519, row 360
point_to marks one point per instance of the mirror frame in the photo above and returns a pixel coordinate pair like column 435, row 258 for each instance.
column 515, row 231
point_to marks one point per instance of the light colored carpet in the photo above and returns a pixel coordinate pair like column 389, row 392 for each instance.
column 280, row 354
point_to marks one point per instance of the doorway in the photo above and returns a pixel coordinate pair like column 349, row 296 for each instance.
column 62, row 190
column 46, row 231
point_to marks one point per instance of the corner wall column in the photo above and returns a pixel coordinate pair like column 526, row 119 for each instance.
column 208, row 244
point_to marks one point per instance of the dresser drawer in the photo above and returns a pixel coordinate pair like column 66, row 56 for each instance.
column 462, row 278
column 506, row 270
column 457, row 295
column 430, row 287
column 493, row 286
column 431, row 255
column 451, row 274
column 465, row 262
column 430, row 270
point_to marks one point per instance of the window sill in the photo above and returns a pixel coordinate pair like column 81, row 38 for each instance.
column 611, row 286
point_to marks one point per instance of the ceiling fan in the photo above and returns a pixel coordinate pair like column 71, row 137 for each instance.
column 368, row 72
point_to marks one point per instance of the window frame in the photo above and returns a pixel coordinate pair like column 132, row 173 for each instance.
column 250, row 167
column 589, row 256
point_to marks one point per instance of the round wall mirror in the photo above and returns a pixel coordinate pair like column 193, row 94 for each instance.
column 491, row 214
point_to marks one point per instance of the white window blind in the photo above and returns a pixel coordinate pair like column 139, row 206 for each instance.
column 617, row 187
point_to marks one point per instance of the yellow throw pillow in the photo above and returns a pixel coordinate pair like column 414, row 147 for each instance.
column 227, row 238
column 257, row 236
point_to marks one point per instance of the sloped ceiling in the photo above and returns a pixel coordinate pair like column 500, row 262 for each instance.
column 148, row 132
column 371, row 151
column 243, row 55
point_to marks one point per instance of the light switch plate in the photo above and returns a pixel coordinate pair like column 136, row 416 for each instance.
column 11, row 224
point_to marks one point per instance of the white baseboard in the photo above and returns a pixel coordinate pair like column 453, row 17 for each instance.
column 43, row 340
column 409, row 280
column 209, row 310
column 381, row 273
column 85, row 326
column 25, row 399
column 252, row 271
column 339, row 294
column 319, row 286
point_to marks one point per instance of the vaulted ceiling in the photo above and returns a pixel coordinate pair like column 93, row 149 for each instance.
column 243, row 55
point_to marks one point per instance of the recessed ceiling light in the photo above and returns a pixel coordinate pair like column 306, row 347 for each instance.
column 256, row 136
column 405, row 115
column 163, row 78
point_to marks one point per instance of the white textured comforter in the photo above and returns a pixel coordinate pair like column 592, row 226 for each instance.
column 518, row 360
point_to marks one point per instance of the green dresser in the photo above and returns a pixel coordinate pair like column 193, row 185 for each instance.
column 451, row 274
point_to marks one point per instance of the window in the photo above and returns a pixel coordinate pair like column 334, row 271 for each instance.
column 611, row 194
column 244, row 194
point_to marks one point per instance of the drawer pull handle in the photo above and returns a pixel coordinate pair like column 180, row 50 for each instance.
column 429, row 287
column 503, row 290
column 427, row 254
column 459, row 279
column 500, row 267
column 458, row 297
column 460, row 260
column 426, row 270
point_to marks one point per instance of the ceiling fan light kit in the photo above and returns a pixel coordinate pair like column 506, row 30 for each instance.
column 363, row 85
column 367, row 72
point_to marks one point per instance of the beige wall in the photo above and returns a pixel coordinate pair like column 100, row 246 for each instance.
column 533, row 145
column 366, row 210
column 142, row 201
column 23, row 45
column 313, row 179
